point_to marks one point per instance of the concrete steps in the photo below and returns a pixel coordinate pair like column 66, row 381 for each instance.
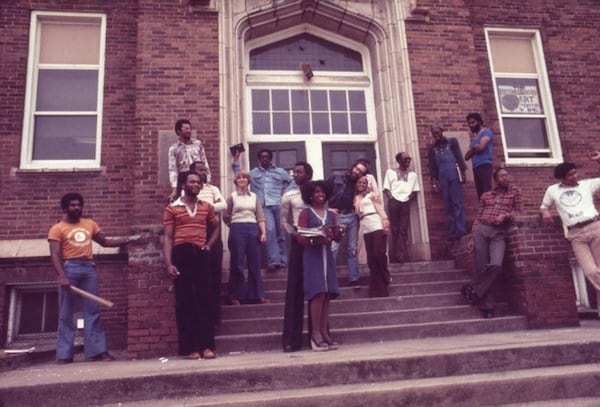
column 465, row 370
column 424, row 302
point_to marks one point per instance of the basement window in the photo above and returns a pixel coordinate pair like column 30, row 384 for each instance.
column 33, row 312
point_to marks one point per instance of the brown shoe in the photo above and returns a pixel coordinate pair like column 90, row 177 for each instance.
column 264, row 301
column 193, row 356
column 208, row 354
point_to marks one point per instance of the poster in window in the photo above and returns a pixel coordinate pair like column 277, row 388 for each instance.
column 519, row 98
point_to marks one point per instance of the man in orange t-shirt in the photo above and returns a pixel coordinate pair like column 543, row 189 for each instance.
column 71, row 254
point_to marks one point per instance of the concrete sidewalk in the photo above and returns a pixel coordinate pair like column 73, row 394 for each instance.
column 81, row 371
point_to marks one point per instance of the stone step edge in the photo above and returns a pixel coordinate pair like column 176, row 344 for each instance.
column 362, row 314
column 420, row 391
column 388, row 327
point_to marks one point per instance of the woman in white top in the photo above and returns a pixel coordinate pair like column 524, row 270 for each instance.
column 246, row 221
column 375, row 227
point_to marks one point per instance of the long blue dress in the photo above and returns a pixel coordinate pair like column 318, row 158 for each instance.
column 319, row 265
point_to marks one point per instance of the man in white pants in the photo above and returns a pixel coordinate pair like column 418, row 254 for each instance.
column 574, row 200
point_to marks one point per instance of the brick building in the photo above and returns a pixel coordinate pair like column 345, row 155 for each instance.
column 91, row 90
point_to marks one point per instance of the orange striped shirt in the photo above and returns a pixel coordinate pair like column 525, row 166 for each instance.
column 187, row 228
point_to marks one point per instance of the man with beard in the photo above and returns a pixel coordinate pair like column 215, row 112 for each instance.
column 183, row 153
column 340, row 191
column 291, row 206
column 481, row 153
column 574, row 200
column 211, row 194
column 71, row 254
column 186, row 251
column 497, row 210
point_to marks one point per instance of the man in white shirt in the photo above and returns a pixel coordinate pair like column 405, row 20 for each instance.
column 574, row 201
column 399, row 186
column 291, row 206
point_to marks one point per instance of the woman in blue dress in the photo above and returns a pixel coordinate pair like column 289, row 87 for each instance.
column 320, row 280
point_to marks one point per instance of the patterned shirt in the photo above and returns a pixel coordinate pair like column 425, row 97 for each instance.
column 181, row 156
column 496, row 202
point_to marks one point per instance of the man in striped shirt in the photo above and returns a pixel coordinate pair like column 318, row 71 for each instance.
column 497, row 210
column 186, row 251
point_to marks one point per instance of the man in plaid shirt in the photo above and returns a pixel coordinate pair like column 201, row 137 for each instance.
column 497, row 209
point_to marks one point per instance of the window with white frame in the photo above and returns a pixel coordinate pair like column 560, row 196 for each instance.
column 63, row 104
column 33, row 312
column 523, row 96
column 287, row 104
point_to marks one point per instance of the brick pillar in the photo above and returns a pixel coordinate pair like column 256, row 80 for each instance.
column 538, row 273
column 152, row 330
column 536, row 279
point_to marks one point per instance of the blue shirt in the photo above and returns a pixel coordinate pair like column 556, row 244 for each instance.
column 485, row 156
column 269, row 184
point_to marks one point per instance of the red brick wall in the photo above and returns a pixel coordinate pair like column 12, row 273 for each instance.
column 451, row 77
column 176, row 76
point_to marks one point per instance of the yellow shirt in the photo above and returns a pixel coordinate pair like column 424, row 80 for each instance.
column 75, row 238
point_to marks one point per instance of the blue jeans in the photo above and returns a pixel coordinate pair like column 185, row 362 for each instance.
column 276, row 250
column 81, row 274
column 351, row 222
column 453, row 203
column 244, row 245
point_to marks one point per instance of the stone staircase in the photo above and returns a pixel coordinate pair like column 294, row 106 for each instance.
column 420, row 347
column 424, row 301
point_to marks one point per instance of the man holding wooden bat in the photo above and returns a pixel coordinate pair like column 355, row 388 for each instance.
column 71, row 254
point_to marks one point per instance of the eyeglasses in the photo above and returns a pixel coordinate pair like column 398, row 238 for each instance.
column 406, row 159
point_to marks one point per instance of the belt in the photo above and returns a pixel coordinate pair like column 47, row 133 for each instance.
column 345, row 211
column 584, row 223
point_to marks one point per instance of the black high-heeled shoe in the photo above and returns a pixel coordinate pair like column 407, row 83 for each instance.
column 331, row 344
column 318, row 347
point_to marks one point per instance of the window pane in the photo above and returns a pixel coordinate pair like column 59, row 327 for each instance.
column 261, row 123
column 64, row 138
column 281, row 100
column 69, row 42
column 525, row 133
column 289, row 54
column 299, row 100
column 358, row 123
column 339, row 123
column 512, row 54
column 67, row 90
column 260, row 100
column 51, row 317
column 301, row 123
column 357, row 100
column 31, row 313
column 337, row 100
column 320, row 123
column 519, row 96
column 281, row 123
column 318, row 100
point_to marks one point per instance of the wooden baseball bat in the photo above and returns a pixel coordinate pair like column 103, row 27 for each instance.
column 92, row 297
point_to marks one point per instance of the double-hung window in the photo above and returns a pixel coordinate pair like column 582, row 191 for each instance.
column 63, row 105
column 523, row 96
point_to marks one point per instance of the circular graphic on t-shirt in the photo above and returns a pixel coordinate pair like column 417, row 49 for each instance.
column 570, row 198
column 79, row 236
